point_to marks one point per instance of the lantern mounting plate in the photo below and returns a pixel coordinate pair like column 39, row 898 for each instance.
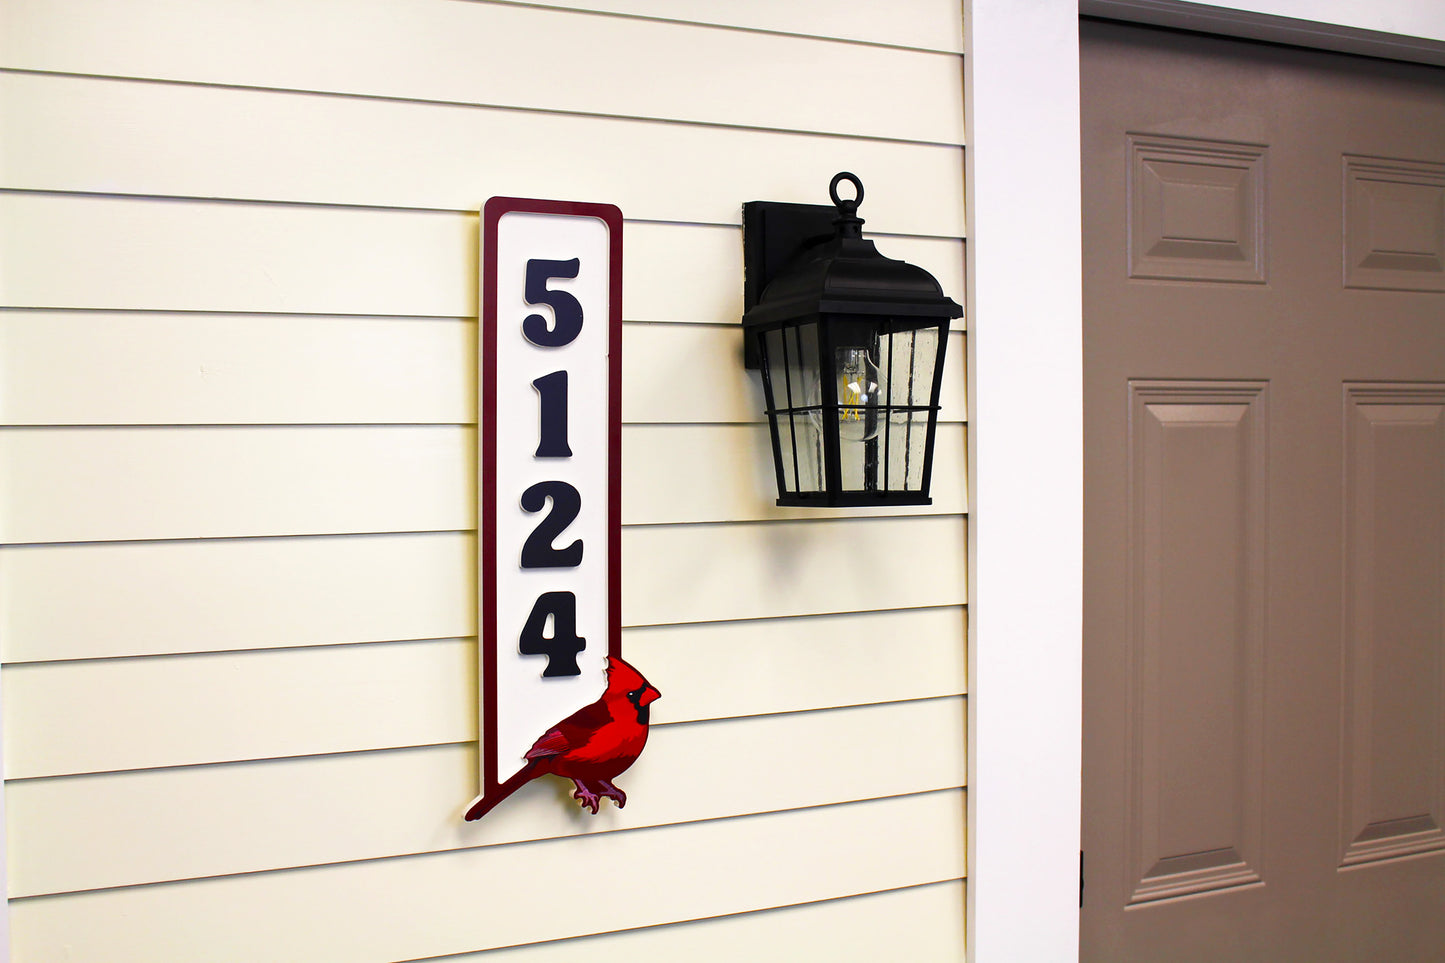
column 774, row 233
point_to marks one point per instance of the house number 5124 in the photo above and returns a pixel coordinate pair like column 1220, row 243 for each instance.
column 557, row 609
column 550, row 466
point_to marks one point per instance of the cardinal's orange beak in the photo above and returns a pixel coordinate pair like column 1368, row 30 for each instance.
column 649, row 696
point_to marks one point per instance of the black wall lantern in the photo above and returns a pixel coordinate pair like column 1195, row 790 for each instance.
column 850, row 344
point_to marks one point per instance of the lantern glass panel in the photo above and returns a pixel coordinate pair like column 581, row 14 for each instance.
column 884, row 372
column 908, row 358
column 791, row 354
column 905, row 446
column 860, row 419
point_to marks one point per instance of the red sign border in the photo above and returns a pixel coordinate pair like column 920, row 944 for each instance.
column 492, row 214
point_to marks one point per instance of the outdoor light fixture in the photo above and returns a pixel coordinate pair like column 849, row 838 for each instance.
column 850, row 345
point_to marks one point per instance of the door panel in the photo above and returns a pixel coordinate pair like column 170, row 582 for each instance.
column 1196, row 460
column 1392, row 777
column 1264, row 704
column 1394, row 224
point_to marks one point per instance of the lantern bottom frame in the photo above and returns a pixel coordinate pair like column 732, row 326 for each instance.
column 853, row 499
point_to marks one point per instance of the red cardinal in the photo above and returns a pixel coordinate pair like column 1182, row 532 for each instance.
column 592, row 746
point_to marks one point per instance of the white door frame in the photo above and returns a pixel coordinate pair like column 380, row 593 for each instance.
column 1026, row 426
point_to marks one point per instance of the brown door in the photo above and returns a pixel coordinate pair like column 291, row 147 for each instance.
column 1264, row 342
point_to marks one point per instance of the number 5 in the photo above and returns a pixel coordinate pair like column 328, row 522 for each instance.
column 566, row 311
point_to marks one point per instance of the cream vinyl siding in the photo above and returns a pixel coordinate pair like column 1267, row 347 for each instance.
column 238, row 249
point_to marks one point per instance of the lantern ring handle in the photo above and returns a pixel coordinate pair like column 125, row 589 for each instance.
column 833, row 189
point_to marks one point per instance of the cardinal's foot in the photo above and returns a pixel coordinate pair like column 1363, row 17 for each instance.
column 589, row 798
column 611, row 792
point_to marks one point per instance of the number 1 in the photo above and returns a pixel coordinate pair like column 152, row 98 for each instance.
column 552, row 405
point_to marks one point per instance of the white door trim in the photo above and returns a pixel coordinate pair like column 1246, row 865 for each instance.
column 1025, row 426
column 1026, row 478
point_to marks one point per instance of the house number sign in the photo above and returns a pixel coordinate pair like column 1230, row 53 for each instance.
column 550, row 413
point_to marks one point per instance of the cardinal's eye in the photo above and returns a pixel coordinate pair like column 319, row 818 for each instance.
column 635, row 694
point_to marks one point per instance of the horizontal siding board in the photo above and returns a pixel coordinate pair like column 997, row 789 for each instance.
column 490, row 53
column 128, row 368
column 715, row 572
column 221, row 707
column 58, row 251
column 139, row 254
column 186, row 710
column 918, row 923
column 137, row 827
column 475, row 899
column 98, row 135
column 136, row 598
column 772, row 665
column 121, row 368
column 927, row 24
column 233, row 482
column 133, row 598
column 228, row 482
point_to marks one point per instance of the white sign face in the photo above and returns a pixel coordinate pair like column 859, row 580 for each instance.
column 550, row 468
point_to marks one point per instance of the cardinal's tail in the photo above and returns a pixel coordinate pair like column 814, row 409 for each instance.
column 485, row 804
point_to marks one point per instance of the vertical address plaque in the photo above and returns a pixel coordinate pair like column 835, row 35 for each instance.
column 550, row 461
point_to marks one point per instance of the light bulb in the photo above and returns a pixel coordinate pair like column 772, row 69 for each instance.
column 857, row 385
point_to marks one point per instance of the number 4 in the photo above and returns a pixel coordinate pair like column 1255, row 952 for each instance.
column 562, row 646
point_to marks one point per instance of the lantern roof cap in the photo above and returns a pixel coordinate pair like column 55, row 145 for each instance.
column 845, row 274
column 848, row 276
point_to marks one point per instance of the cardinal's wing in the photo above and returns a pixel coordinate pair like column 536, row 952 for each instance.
column 571, row 732
column 551, row 744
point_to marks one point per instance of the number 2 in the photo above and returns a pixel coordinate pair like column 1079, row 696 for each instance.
column 538, row 550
